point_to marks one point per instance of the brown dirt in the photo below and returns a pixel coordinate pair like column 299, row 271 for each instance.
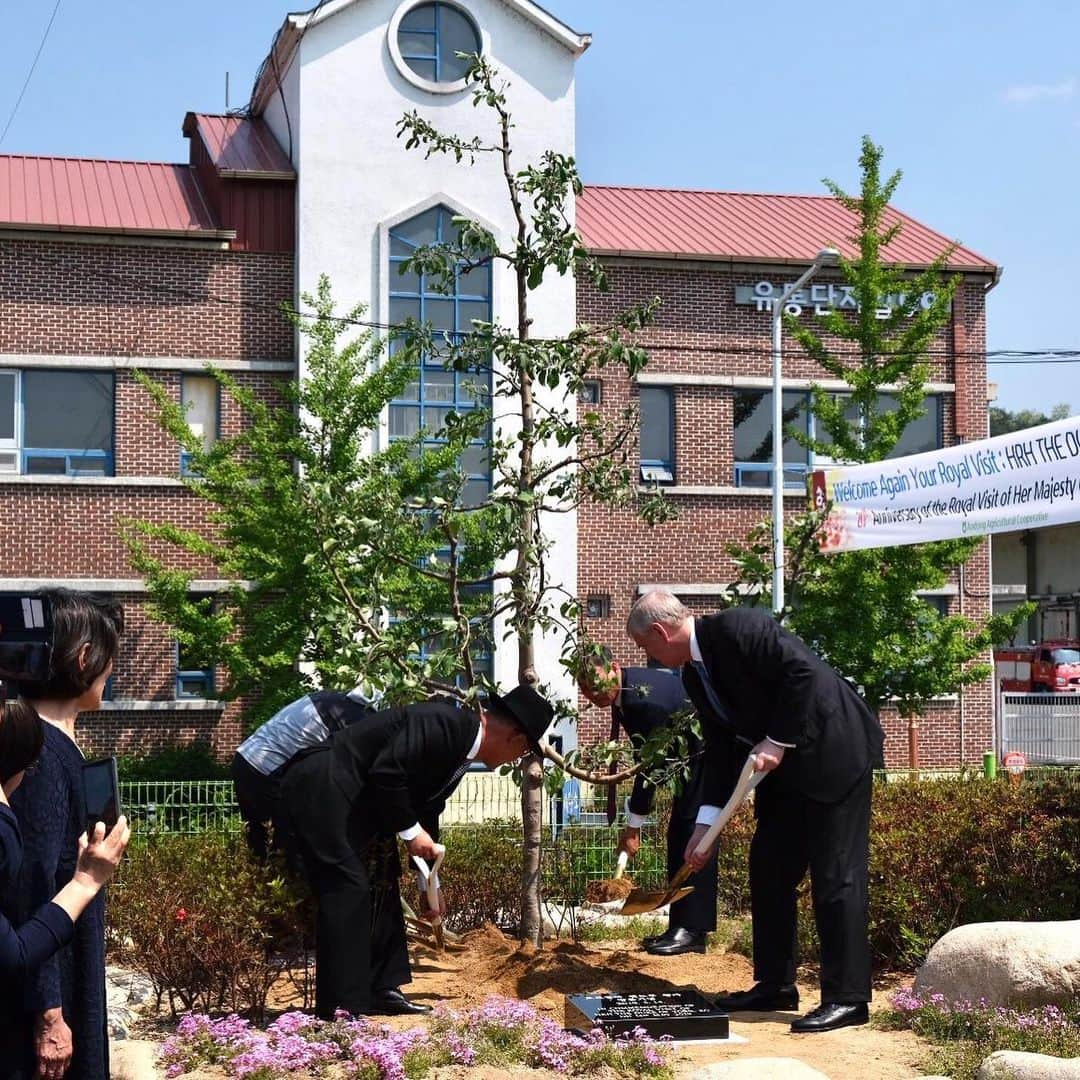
column 487, row 962
column 490, row 963
column 603, row 892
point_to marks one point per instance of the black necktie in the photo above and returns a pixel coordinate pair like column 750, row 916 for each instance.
column 450, row 784
column 710, row 690
column 613, row 767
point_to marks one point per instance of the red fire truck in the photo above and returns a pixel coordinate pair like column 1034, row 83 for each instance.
column 1050, row 667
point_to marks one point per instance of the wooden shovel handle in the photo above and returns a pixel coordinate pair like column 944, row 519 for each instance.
column 749, row 779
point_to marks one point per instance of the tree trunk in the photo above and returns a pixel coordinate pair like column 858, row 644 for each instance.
column 532, row 789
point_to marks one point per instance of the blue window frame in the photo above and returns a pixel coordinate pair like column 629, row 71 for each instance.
column 431, row 35
column 57, row 422
column 435, row 391
column 192, row 681
column 657, row 406
column 753, row 436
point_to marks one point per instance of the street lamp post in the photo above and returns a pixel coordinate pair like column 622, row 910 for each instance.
column 825, row 257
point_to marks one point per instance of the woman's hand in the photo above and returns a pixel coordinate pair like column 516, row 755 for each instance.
column 100, row 855
column 52, row 1044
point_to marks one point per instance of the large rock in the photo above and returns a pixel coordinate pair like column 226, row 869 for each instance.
column 1023, row 965
column 124, row 992
column 1017, row 1065
column 762, row 1068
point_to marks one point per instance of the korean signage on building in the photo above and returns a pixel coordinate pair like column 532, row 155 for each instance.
column 820, row 298
column 1025, row 480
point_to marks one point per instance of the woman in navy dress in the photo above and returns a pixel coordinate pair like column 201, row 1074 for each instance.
column 62, row 1023
column 24, row 949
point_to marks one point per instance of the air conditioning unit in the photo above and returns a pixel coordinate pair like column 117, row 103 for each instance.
column 9, row 461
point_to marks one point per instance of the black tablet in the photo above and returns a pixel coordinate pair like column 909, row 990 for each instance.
column 102, row 787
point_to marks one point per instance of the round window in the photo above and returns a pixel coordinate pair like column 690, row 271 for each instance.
column 426, row 39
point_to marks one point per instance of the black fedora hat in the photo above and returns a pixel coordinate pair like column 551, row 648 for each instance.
column 527, row 710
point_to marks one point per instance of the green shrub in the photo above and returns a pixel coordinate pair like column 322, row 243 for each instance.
column 944, row 853
column 947, row 852
column 192, row 761
column 482, row 882
column 206, row 921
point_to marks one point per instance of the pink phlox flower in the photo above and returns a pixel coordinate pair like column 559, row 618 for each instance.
column 292, row 1023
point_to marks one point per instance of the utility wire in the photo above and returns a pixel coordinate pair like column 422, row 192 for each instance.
column 30, row 73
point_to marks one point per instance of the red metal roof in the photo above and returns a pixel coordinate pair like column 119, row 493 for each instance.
column 240, row 148
column 88, row 194
column 743, row 227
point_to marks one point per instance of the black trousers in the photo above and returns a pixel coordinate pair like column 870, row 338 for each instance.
column 256, row 797
column 698, row 910
column 794, row 834
column 360, row 943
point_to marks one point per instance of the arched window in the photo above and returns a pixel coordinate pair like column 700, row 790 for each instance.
column 436, row 391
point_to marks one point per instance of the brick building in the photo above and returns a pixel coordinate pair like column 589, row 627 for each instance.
column 706, row 398
column 106, row 267
column 110, row 266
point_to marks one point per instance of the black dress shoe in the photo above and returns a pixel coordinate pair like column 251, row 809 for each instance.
column 395, row 1003
column 677, row 941
column 764, row 997
column 830, row 1015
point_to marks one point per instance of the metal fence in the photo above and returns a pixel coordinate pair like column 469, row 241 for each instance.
column 1044, row 727
column 576, row 834
column 186, row 807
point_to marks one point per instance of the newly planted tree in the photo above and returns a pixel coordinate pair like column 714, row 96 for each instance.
column 406, row 562
column 545, row 456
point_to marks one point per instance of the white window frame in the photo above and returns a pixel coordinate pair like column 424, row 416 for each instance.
column 16, row 376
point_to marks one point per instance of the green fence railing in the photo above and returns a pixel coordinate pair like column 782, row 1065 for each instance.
column 188, row 807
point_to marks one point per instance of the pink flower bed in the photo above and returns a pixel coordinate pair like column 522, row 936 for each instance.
column 502, row 1032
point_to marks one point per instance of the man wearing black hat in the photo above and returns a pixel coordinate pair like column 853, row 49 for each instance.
column 342, row 803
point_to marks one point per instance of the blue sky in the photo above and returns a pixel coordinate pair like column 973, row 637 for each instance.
column 978, row 103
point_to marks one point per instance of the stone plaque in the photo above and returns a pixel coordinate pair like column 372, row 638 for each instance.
column 680, row 1014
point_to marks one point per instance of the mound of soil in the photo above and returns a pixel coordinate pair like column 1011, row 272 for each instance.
column 489, row 962
column 603, row 892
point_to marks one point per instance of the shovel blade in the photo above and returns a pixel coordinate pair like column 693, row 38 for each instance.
column 643, row 900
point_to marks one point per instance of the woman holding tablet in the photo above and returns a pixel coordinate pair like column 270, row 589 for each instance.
column 60, row 1029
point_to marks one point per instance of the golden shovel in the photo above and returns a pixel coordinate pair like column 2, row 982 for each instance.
column 642, row 900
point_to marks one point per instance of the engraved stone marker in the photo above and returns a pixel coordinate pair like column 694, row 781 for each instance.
column 680, row 1014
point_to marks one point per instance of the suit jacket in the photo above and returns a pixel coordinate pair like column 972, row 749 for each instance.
column 399, row 766
column 649, row 698
column 770, row 683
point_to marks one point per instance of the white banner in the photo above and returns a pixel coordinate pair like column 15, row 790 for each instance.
column 1026, row 480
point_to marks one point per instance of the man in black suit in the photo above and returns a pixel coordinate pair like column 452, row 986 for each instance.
column 751, row 679
column 342, row 803
column 642, row 700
